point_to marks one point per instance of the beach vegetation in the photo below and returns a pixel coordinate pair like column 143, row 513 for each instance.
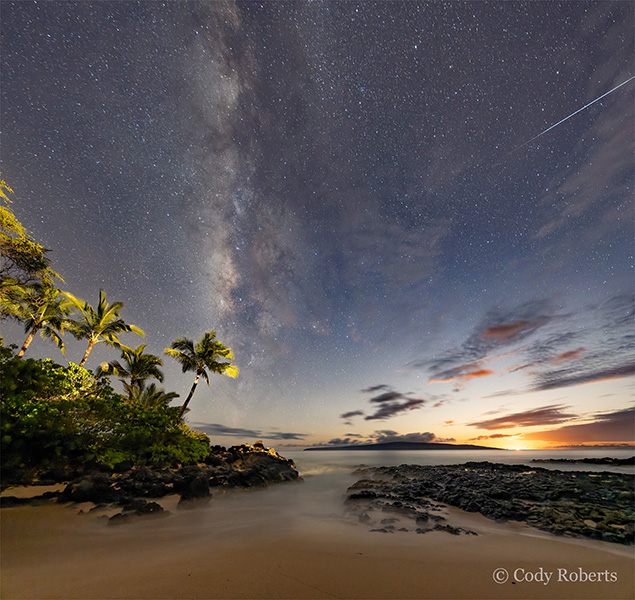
column 135, row 367
column 22, row 260
column 63, row 418
column 40, row 307
column 201, row 357
column 101, row 324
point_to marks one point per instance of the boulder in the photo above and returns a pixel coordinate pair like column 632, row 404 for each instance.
column 195, row 491
column 91, row 488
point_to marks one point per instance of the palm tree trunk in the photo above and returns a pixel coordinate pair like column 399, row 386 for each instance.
column 88, row 351
column 28, row 340
column 189, row 396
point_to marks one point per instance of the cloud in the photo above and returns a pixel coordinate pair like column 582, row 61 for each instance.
column 547, row 415
column 387, row 397
column 569, row 355
column 597, row 176
column 617, row 446
column 505, row 332
column 462, row 373
column 391, row 409
column 347, row 441
column 281, row 435
column 497, row 330
column 352, row 413
column 391, row 403
column 384, row 436
column 375, row 388
column 222, row 430
column 618, row 426
column 559, row 379
column 494, row 436
column 216, row 429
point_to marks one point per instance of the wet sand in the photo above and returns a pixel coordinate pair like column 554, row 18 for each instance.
column 248, row 545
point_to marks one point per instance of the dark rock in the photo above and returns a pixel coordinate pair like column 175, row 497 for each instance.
column 123, row 466
column 137, row 508
column 195, row 487
column 91, row 488
column 555, row 501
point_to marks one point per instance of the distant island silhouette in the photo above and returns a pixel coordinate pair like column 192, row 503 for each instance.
column 405, row 446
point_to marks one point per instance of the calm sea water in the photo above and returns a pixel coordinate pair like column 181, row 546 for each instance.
column 321, row 462
column 327, row 475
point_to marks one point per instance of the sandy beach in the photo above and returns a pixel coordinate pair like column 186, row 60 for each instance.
column 249, row 545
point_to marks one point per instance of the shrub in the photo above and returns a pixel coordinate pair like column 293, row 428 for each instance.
column 56, row 417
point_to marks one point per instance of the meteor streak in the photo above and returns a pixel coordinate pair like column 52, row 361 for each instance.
column 566, row 118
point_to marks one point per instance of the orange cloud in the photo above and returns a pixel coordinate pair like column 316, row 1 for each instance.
column 458, row 374
column 508, row 330
column 545, row 415
column 618, row 426
column 494, row 436
column 570, row 355
column 478, row 373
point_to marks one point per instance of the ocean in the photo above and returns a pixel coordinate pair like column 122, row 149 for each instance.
column 319, row 498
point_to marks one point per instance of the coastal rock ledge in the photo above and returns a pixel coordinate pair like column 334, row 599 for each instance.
column 597, row 505
column 243, row 466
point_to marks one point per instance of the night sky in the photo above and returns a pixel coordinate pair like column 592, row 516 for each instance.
column 344, row 192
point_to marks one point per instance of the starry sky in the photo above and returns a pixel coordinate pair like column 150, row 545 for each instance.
column 344, row 191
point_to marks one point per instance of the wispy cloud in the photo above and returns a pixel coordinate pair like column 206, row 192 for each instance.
column 559, row 379
column 348, row 416
column 216, row 429
column 391, row 403
column 552, row 349
column 495, row 436
column 383, row 436
column 387, row 435
column 546, row 415
column 375, row 388
column 496, row 332
column 568, row 355
column 462, row 373
column 392, row 409
column 617, row 426
column 352, row 413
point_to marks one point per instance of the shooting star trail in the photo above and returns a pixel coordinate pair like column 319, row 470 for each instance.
column 573, row 114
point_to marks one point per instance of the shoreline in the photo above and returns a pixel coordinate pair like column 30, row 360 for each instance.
column 247, row 544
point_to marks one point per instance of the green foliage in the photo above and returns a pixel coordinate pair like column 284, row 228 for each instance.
column 39, row 307
column 21, row 258
column 136, row 365
column 200, row 357
column 56, row 417
column 102, row 324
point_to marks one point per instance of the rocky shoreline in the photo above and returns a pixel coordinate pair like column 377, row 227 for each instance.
column 613, row 462
column 135, row 489
column 597, row 505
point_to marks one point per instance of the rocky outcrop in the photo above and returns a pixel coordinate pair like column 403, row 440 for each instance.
column 241, row 466
column 595, row 505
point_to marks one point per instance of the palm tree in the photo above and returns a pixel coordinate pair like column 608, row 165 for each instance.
column 137, row 366
column 39, row 306
column 201, row 357
column 101, row 325
column 152, row 397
